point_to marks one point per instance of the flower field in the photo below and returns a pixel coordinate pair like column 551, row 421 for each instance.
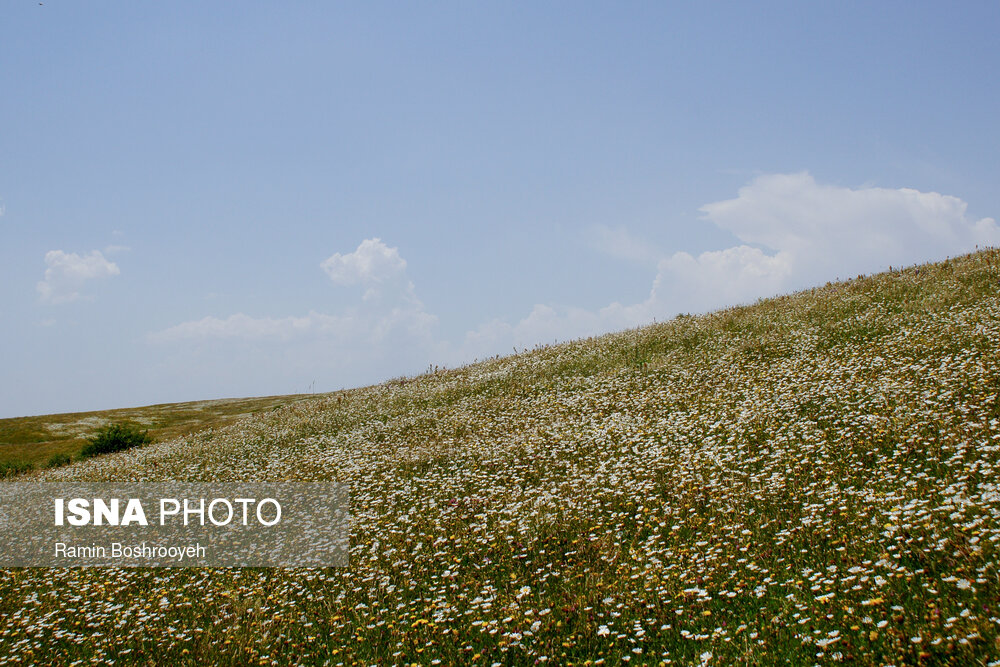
column 812, row 479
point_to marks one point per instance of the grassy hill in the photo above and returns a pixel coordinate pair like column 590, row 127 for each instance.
column 35, row 440
column 810, row 479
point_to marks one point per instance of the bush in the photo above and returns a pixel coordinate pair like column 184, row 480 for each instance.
column 11, row 468
column 58, row 460
column 115, row 438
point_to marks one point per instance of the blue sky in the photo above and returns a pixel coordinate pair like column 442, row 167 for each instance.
column 212, row 200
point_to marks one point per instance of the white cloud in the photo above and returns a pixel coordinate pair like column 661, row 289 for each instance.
column 794, row 233
column 685, row 283
column 812, row 233
column 825, row 231
column 372, row 262
column 66, row 274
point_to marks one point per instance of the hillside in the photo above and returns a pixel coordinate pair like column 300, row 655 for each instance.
column 810, row 479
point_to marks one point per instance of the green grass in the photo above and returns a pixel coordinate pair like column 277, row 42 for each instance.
column 811, row 479
column 58, row 460
column 12, row 468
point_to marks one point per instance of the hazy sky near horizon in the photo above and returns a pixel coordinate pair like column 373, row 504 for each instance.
column 205, row 200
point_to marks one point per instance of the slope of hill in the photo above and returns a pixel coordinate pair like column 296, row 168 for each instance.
column 809, row 479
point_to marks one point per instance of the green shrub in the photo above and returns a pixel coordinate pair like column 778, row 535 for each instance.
column 58, row 460
column 11, row 468
column 115, row 438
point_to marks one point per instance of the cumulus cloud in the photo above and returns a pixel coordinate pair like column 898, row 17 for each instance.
column 376, row 267
column 66, row 274
column 794, row 233
column 828, row 229
column 797, row 232
column 372, row 262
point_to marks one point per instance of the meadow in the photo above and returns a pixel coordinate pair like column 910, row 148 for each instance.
column 811, row 479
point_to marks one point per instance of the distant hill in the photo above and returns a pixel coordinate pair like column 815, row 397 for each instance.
column 35, row 440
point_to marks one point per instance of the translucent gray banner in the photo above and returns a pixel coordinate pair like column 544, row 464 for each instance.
column 174, row 524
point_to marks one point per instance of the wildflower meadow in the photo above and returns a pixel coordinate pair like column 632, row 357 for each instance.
column 811, row 479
